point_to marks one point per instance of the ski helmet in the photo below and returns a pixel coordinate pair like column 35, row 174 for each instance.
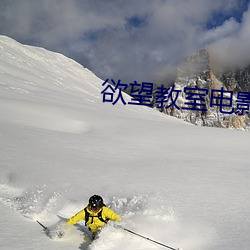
column 95, row 202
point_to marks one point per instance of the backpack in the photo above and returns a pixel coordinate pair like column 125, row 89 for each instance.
column 88, row 216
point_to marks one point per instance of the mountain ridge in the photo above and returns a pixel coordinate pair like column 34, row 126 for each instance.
column 200, row 70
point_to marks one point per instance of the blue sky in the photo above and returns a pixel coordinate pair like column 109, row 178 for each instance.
column 218, row 17
column 131, row 40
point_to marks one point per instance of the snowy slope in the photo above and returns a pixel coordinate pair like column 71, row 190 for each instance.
column 179, row 184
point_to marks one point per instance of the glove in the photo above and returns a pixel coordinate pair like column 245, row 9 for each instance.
column 60, row 234
column 62, row 229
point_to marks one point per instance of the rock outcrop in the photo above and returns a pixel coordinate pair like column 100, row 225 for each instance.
column 196, row 73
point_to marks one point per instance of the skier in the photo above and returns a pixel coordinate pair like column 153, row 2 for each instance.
column 95, row 214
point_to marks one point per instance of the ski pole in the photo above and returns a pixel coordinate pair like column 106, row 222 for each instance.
column 146, row 238
column 45, row 228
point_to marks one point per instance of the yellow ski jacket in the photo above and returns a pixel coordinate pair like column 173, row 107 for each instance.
column 94, row 223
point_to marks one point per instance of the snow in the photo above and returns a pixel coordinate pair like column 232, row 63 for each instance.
column 182, row 185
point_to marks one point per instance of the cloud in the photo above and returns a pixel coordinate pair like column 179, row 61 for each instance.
column 232, row 50
column 129, row 40
column 228, row 28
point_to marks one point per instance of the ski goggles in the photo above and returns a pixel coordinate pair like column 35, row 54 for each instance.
column 94, row 208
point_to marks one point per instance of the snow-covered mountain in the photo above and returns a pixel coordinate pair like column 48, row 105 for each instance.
column 200, row 70
column 182, row 185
